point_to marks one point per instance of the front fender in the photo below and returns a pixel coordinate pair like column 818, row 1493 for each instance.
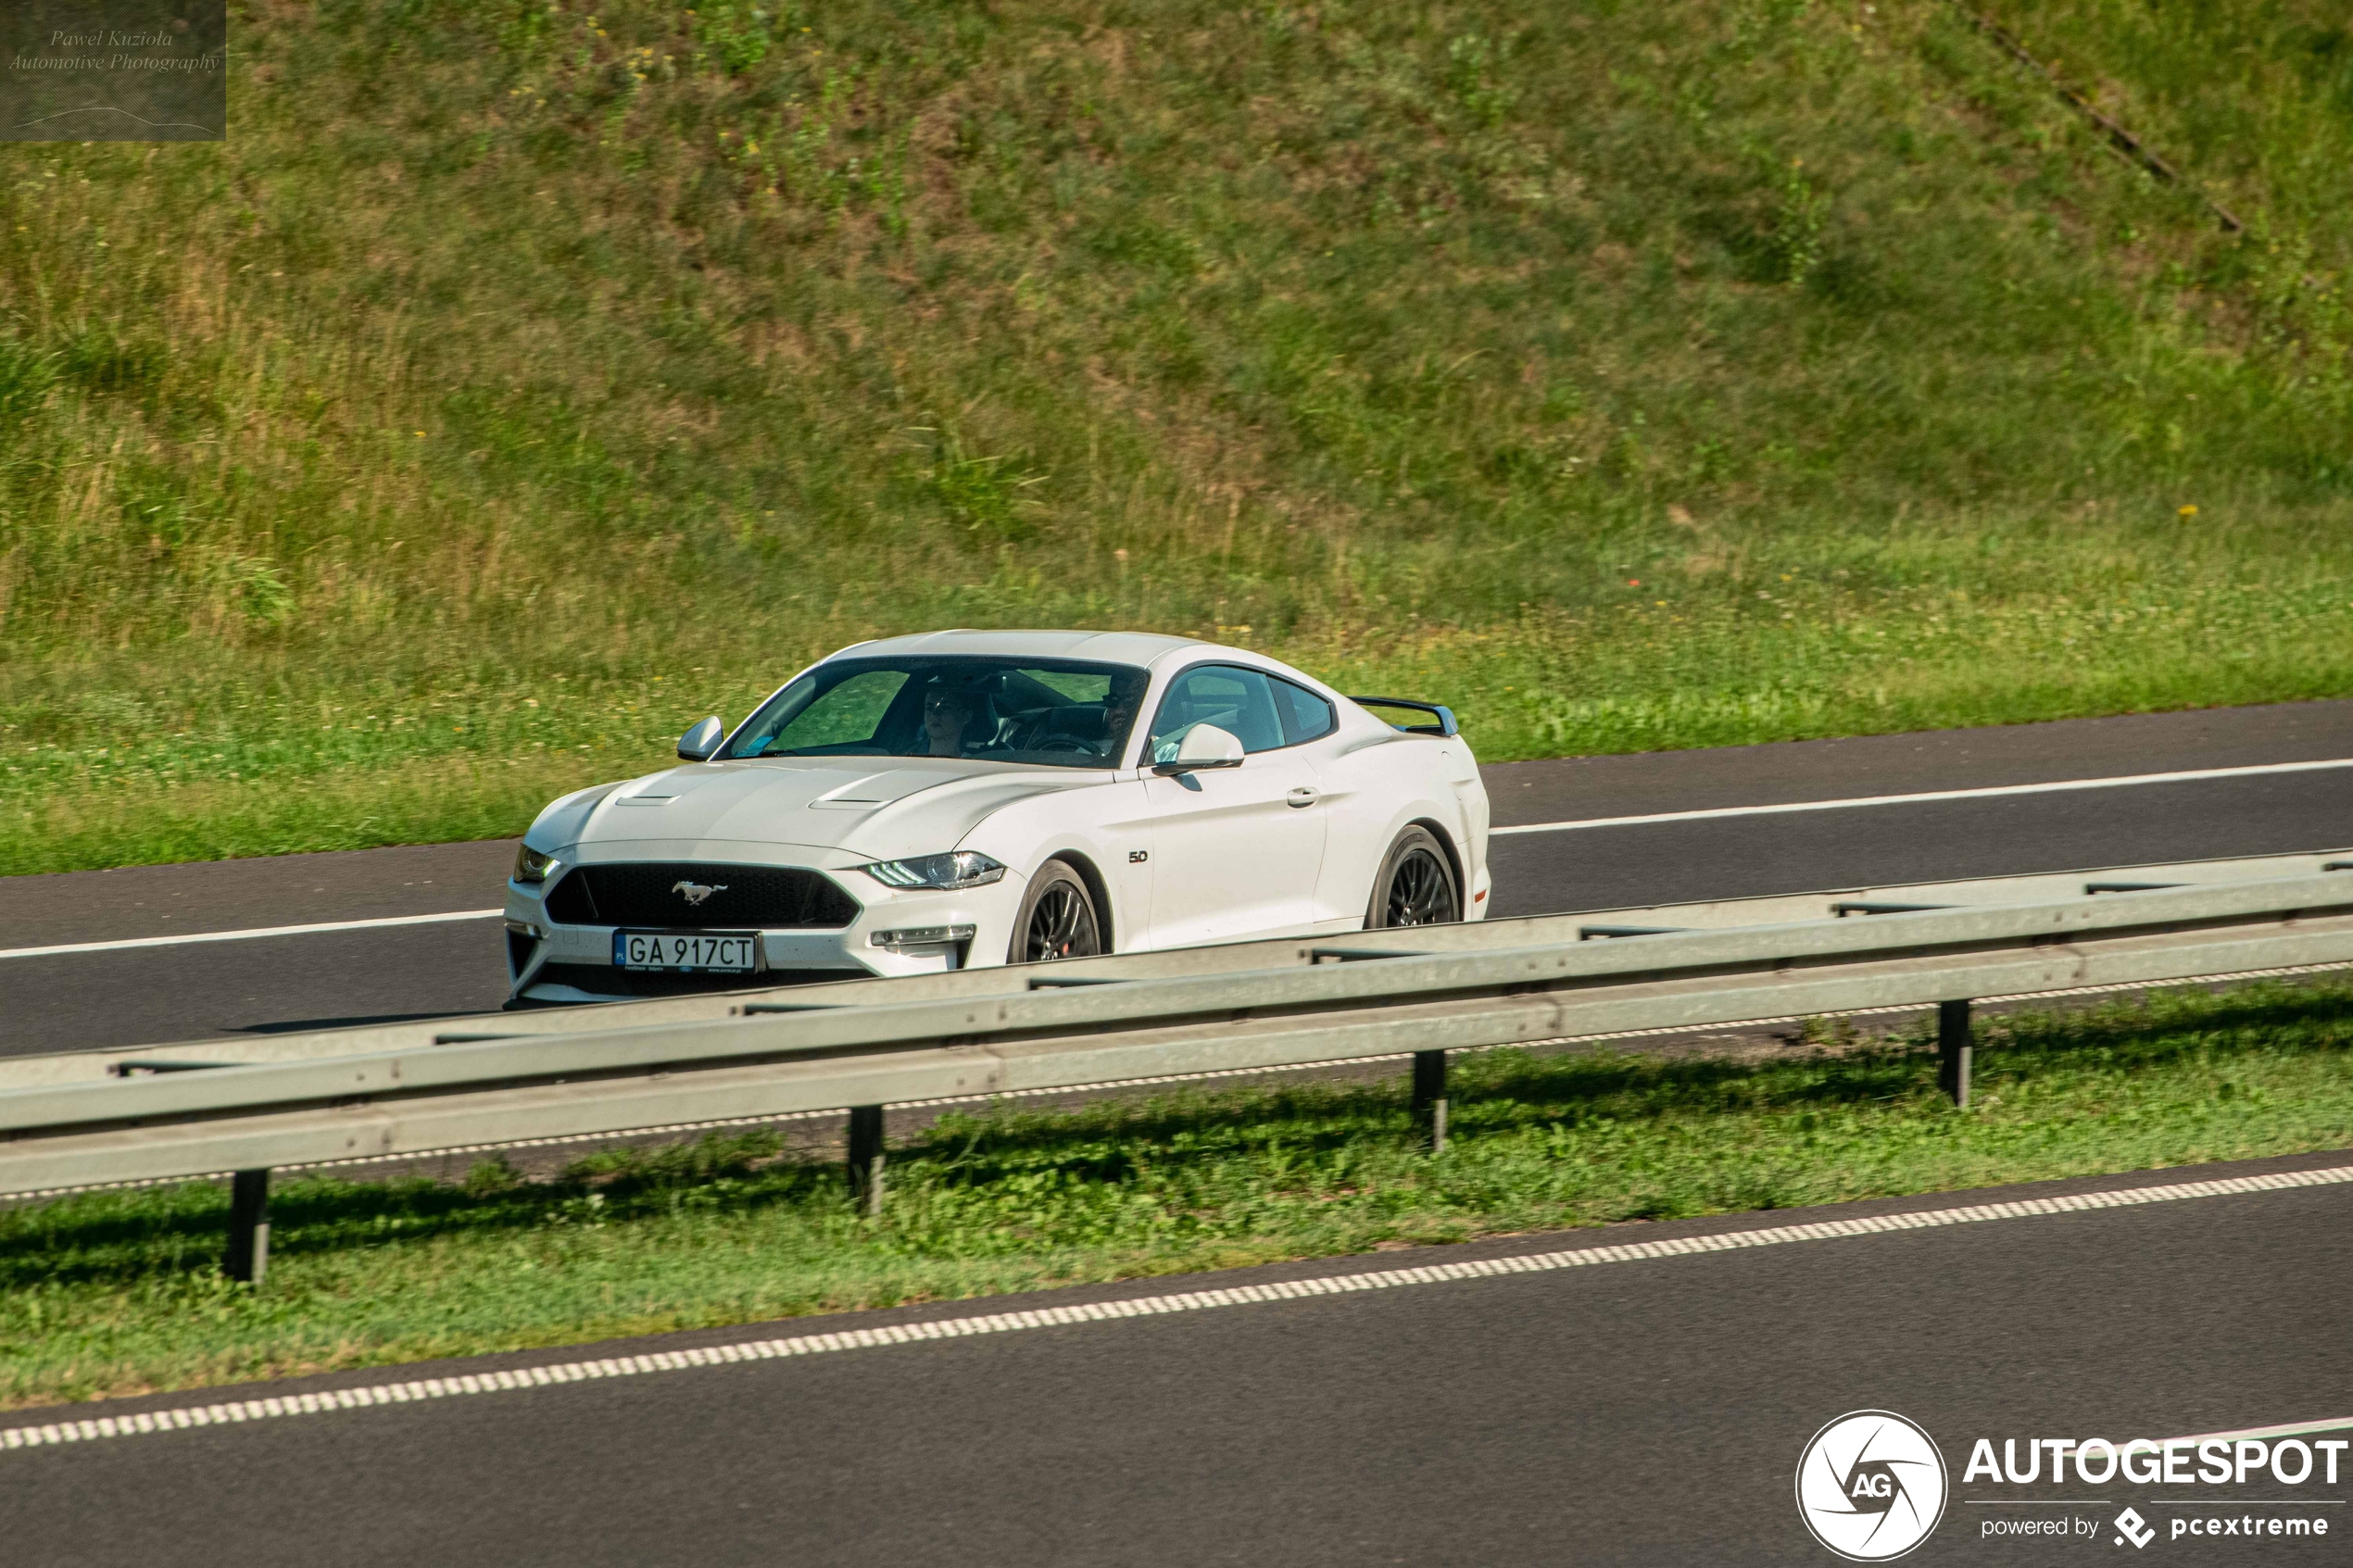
column 1098, row 827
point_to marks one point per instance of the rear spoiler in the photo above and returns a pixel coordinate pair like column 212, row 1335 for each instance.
column 1446, row 716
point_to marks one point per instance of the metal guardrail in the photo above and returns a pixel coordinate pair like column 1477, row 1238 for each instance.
column 91, row 1066
column 591, row 1081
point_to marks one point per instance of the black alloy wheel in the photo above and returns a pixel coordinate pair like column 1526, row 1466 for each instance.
column 1057, row 919
column 1416, row 885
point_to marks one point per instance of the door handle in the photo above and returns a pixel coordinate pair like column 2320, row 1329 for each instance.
column 1304, row 796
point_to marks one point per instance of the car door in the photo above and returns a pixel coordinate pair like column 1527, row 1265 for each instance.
column 1236, row 850
column 1354, row 805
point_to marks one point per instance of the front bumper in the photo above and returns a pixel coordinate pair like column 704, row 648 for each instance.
column 925, row 931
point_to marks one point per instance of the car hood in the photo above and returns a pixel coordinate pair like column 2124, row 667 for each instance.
column 877, row 806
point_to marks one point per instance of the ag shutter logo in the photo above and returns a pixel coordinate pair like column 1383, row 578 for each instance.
column 1870, row 1486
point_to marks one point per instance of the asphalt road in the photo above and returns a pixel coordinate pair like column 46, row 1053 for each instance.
column 1649, row 1411
column 321, row 980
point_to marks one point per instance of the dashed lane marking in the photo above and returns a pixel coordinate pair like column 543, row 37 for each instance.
column 376, row 1394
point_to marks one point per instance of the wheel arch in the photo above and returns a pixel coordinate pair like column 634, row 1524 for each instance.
column 1446, row 846
column 1453, row 852
column 1084, row 867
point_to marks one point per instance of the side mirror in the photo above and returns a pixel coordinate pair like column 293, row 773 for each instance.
column 1204, row 745
column 698, row 744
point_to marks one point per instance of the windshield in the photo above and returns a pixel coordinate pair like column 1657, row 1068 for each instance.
column 1058, row 713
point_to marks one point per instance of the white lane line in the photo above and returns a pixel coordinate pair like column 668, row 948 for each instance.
column 377, row 1394
column 1989, row 792
column 246, row 935
column 2294, row 1429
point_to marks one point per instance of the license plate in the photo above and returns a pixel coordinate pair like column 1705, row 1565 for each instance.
column 733, row 952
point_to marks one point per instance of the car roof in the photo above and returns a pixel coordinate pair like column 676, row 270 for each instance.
column 1111, row 647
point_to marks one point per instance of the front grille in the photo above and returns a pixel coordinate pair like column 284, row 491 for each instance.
column 755, row 898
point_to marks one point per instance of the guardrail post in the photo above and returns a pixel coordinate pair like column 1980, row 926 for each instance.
column 1954, row 1050
column 1430, row 1097
column 248, row 1256
column 866, row 1157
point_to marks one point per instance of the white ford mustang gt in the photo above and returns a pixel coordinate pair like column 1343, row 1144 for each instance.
column 982, row 798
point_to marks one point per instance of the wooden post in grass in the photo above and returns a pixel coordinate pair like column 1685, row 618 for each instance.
column 1429, row 1099
column 1952, row 1050
column 866, row 1157
column 248, row 1257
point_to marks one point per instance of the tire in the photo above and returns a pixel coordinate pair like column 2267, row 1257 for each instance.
column 1415, row 885
column 1057, row 919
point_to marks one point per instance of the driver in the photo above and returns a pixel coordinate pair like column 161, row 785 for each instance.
column 948, row 712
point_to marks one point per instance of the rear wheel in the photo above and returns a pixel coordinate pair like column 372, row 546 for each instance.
column 1415, row 885
column 1057, row 919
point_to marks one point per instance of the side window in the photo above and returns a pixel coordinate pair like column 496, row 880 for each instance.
column 1239, row 701
column 1305, row 716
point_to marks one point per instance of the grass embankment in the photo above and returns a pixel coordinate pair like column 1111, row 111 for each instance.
column 518, row 383
column 120, row 1293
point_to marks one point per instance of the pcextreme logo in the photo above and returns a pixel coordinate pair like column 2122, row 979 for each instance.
column 1871, row 1485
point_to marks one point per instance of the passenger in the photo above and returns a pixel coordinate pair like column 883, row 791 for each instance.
column 1120, row 703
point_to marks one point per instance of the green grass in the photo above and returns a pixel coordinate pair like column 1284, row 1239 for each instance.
column 112, row 1294
column 517, row 385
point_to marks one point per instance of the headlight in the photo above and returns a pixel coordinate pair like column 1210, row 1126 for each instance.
column 960, row 868
column 530, row 865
